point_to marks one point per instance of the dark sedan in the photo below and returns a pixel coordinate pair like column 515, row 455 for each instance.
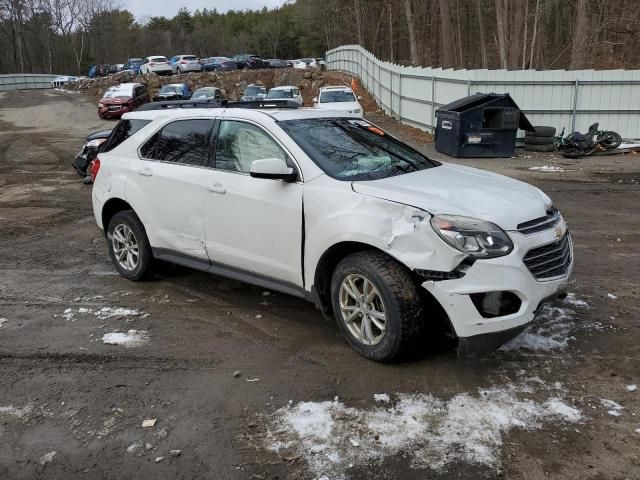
column 218, row 64
column 173, row 91
column 277, row 63
column 245, row 61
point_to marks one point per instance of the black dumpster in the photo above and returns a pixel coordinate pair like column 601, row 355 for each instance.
column 481, row 125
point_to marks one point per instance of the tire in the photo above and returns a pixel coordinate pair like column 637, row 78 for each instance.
column 127, row 219
column 396, row 296
column 538, row 140
column 542, row 132
column 610, row 140
column 540, row 148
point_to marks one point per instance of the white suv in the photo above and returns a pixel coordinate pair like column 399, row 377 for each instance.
column 328, row 207
column 338, row 98
column 286, row 93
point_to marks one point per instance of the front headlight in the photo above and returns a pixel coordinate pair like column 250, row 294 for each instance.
column 100, row 105
column 472, row 236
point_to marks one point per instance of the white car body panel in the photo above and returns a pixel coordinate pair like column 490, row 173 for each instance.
column 161, row 66
column 256, row 225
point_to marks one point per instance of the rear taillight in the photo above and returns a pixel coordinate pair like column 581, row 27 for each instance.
column 183, row 62
column 151, row 64
column 94, row 168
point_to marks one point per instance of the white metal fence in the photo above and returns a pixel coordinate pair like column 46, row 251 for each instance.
column 20, row 81
column 561, row 98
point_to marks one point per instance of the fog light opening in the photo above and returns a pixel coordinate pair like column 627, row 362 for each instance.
column 496, row 304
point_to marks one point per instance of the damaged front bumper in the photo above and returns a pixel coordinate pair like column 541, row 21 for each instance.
column 497, row 298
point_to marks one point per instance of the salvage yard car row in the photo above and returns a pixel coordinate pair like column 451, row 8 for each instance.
column 163, row 65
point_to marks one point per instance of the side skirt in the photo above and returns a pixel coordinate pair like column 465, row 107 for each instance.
column 227, row 271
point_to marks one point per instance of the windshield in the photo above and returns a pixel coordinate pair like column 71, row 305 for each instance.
column 118, row 92
column 203, row 93
column 279, row 94
column 158, row 59
column 252, row 91
column 170, row 89
column 353, row 149
column 337, row 96
column 189, row 57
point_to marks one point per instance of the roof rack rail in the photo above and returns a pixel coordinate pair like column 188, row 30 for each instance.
column 216, row 103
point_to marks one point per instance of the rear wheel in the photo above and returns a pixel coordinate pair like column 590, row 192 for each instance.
column 609, row 140
column 376, row 305
column 129, row 247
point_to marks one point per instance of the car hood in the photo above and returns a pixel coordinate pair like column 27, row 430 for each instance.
column 115, row 100
column 458, row 190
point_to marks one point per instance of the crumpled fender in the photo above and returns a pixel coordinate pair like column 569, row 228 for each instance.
column 333, row 216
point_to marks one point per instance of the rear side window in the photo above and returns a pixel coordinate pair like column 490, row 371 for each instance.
column 123, row 130
column 183, row 141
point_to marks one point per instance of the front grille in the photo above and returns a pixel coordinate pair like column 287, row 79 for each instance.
column 550, row 220
column 551, row 260
column 114, row 108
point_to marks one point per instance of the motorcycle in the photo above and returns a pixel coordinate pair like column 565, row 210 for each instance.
column 577, row 145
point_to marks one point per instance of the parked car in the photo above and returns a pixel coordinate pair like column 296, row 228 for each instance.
column 320, row 62
column 253, row 92
column 116, row 67
column 246, row 61
column 173, row 91
column 277, row 63
column 156, row 64
column 89, row 151
column 185, row 63
column 206, row 93
column 133, row 64
column 61, row 81
column 387, row 240
column 338, row 98
column 121, row 99
column 218, row 64
column 286, row 93
column 304, row 63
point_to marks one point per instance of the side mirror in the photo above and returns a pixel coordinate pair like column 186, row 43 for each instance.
column 315, row 100
column 359, row 97
column 274, row 169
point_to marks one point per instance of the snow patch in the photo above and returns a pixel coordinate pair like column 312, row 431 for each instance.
column 3, row 321
column 573, row 301
column 381, row 397
column 548, row 332
column 103, row 313
column 632, row 388
column 547, row 168
column 47, row 458
column 332, row 437
column 133, row 338
column 614, row 407
column 16, row 411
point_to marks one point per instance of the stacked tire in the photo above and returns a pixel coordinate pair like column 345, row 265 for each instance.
column 541, row 140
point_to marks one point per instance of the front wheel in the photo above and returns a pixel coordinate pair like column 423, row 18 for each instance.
column 376, row 305
column 129, row 247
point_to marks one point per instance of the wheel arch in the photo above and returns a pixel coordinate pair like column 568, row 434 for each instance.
column 326, row 265
column 110, row 208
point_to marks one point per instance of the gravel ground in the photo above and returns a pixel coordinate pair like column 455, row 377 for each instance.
column 540, row 408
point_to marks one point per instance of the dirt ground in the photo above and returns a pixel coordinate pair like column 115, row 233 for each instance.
column 64, row 390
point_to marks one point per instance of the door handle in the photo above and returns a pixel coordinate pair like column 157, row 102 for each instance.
column 217, row 188
column 146, row 171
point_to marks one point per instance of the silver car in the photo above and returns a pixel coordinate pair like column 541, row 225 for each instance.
column 185, row 63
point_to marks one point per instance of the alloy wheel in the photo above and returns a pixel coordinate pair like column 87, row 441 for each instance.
column 362, row 309
column 125, row 247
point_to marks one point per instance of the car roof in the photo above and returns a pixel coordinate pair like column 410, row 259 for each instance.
column 208, row 88
column 173, row 85
column 247, row 113
column 337, row 88
column 284, row 87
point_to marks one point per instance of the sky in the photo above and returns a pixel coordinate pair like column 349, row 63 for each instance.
column 143, row 9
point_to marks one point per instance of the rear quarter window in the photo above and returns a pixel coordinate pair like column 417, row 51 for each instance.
column 123, row 130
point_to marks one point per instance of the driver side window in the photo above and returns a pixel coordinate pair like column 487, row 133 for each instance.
column 240, row 143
